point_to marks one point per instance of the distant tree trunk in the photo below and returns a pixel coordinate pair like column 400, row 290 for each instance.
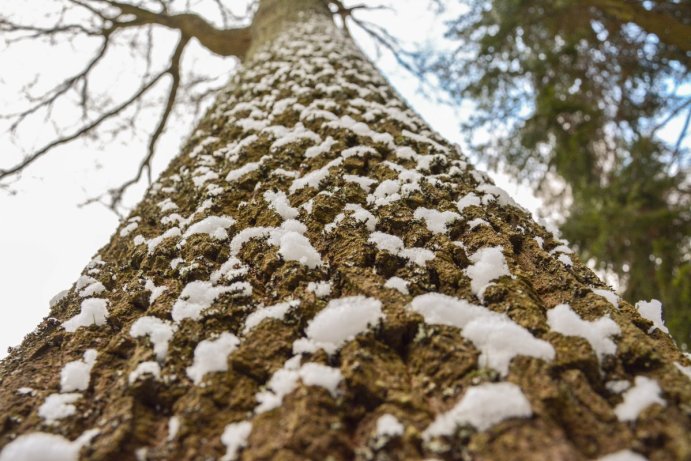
column 319, row 276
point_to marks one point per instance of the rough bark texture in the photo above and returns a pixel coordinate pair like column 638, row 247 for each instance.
column 304, row 85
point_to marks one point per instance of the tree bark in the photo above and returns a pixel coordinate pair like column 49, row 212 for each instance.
column 310, row 183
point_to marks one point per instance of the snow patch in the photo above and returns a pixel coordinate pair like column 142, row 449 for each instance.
column 340, row 321
column 41, row 446
column 652, row 310
column 389, row 426
column 316, row 374
column 473, row 223
column 623, row 455
column 488, row 265
column 211, row 355
column 482, row 407
column 284, row 381
column 167, row 205
column 598, row 333
column 499, row 194
column 685, row 370
column 235, row 438
column 278, row 201
column 247, row 168
column 320, row 289
column 437, row 221
column 173, row 428
column 498, row 338
column 155, row 291
column 277, row 311
column 358, row 213
column 363, row 181
column 315, row 177
column 618, row 386
column 467, row 200
column 214, row 226
column 323, row 148
column 397, row 283
column 160, row 332
column 609, row 295
column 75, row 376
column 197, row 296
column 229, row 270
column 645, row 392
column 394, row 245
column 93, row 311
column 145, row 368
column 387, row 192
column 58, row 406
column 293, row 246
column 57, row 298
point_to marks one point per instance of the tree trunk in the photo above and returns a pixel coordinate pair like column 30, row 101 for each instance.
column 319, row 276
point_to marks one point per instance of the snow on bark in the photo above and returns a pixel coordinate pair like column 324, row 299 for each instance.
column 235, row 438
column 652, row 310
column 498, row 338
column 277, row 311
column 41, row 446
column 341, row 320
column 211, row 355
column 307, row 195
column 94, row 311
column 488, row 265
column 75, row 376
column 645, row 392
column 623, row 455
column 197, row 296
column 482, row 407
column 58, row 406
column 160, row 332
column 143, row 369
column 598, row 333
column 389, row 426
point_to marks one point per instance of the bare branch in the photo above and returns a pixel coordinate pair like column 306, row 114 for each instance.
column 390, row 43
column 47, row 99
column 224, row 42
column 107, row 20
column 145, row 166
column 81, row 131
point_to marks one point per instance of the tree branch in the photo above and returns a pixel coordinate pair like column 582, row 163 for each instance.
column 667, row 28
column 224, row 42
column 81, row 131
column 145, row 165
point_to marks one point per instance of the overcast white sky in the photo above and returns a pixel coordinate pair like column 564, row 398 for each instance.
column 46, row 238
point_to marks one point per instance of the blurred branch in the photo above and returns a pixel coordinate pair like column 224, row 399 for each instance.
column 667, row 27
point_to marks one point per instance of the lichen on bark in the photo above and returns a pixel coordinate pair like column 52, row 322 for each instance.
column 305, row 84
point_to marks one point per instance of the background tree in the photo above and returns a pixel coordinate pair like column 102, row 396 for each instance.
column 581, row 91
column 320, row 276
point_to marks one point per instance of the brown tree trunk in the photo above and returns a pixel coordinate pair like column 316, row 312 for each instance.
column 319, row 276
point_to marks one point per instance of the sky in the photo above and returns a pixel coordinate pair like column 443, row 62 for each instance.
column 46, row 237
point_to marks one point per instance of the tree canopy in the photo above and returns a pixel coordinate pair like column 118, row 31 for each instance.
column 590, row 101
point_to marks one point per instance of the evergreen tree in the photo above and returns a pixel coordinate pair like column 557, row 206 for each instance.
column 581, row 92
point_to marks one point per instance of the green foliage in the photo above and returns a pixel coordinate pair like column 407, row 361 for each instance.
column 580, row 90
